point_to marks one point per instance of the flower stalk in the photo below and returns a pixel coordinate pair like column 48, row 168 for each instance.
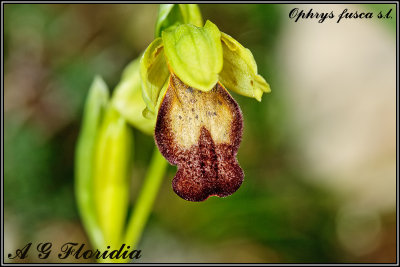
column 146, row 198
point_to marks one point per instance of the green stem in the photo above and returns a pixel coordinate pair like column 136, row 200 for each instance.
column 145, row 199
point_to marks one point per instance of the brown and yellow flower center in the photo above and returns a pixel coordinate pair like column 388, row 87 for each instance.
column 200, row 132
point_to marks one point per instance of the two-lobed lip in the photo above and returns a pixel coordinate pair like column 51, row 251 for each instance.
column 202, row 138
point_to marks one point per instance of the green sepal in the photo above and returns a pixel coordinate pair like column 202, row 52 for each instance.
column 194, row 54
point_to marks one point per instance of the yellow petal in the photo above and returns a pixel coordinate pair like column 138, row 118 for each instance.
column 154, row 73
column 239, row 72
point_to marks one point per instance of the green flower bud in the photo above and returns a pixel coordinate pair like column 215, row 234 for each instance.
column 110, row 175
column 96, row 103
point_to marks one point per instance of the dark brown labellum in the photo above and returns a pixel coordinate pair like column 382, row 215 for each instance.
column 200, row 132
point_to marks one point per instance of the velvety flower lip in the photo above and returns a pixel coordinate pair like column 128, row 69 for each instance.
column 200, row 132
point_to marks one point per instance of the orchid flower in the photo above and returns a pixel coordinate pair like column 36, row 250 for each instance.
column 184, row 75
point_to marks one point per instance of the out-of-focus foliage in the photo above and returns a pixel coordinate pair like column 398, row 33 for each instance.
column 52, row 53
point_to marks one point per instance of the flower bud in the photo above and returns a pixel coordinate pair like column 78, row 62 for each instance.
column 110, row 175
column 95, row 105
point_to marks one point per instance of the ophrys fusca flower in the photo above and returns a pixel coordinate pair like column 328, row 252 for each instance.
column 199, row 125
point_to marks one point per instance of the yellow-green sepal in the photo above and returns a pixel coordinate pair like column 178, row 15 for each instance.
column 239, row 72
column 194, row 54
column 152, row 116
column 154, row 73
column 172, row 15
column 127, row 99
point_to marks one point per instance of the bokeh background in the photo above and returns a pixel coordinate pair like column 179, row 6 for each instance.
column 318, row 152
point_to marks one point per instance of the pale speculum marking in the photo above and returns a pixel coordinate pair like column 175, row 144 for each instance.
column 200, row 132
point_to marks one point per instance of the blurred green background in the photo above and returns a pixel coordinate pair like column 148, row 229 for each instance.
column 318, row 152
